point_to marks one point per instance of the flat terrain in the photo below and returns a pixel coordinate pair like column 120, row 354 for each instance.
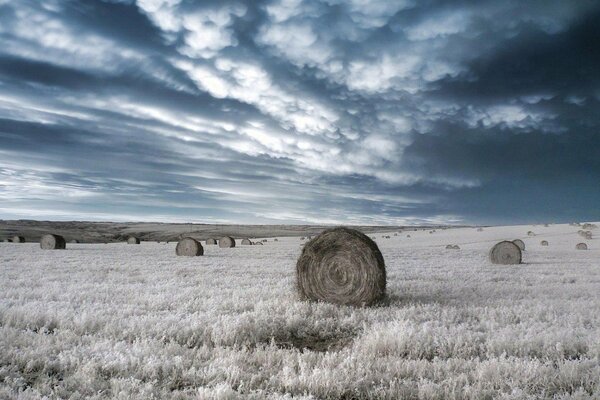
column 135, row 321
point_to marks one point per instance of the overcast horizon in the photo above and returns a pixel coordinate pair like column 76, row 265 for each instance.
column 300, row 112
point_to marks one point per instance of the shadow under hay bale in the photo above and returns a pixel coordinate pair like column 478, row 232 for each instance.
column 18, row 239
column 544, row 243
column 226, row 242
column 246, row 242
column 505, row 253
column 581, row 246
column 520, row 244
column 189, row 247
column 133, row 240
column 52, row 242
column 211, row 241
column 341, row 266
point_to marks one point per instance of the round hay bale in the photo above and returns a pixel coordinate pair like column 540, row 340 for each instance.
column 258, row 243
column 456, row 247
column 18, row 239
column 544, row 243
column 395, row 234
column 452, row 247
column 505, row 253
column 341, row 266
column 546, row 225
column 589, row 226
column 530, row 233
column 520, row 243
column 74, row 241
column 133, row 240
column 265, row 240
column 210, row 241
column 53, row 242
column 226, row 242
column 407, row 236
column 276, row 240
column 246, row 241
column 302, row 238
column 189, row 247
column 581, row 246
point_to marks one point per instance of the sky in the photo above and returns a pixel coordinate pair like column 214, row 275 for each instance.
column 293, row 112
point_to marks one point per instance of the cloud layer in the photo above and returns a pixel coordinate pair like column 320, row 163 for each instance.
column 296, row 111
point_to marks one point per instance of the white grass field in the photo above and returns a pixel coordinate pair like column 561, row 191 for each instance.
column 124, row 321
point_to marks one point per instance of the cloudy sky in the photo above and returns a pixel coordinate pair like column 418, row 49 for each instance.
column 291, row 111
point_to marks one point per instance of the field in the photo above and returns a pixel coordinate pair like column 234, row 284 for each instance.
column 134, row 321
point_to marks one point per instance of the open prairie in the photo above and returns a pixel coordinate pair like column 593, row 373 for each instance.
column 135, row 321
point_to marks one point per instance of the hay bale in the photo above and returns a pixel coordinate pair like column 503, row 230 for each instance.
column 265, row 240
column 341, row 266
column 52, row 242
column 210, row 241
column 546, row 225
column 276, row 240
column 258, row 243
column 74, row 241
column 544, row 243
column 530, row 233
column 133, row 240
column 226, row 242
column 505, row 253
column 479, row 229
column 520, row 243
column 589, row 226
column 18, row 239
column 246, row 241
column 407, row 236
column 452, row 247
column 581, row 246
column 302, row 238
column 189, row 247
column 456, row 247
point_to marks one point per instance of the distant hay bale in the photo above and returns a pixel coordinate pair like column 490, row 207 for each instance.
column 505, row 253
column 589, row 226
column 276, row 240
column 407, row 236
column 265, row 240
column 544, row 243
column 302, row 238
column 246, row 241
column 189, row 247
column 258, row 243
column 74, row 241
column 52, row 242
column 226, row 242
column 395, row 234
column 546, row 225
column 530, row 233
column 133, row 240
column 519, row 243
column 456, row 247
column 7, row 241
column 479, row 229
column 341, row 266
column 18, row 239
column 452, row 247
column 210, row 241
column 581, row 246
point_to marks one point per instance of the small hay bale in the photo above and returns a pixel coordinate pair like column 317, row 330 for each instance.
column 259, row 243
column 530, row 233
column 210, row 241
column 133, row 240
column 226, row 242
column 276, row 240
column 74, row 241
column 341, row 266
column 520, row 243
column 189, row 247
column 7, row 240
column 265, row 240
column 581, row 246
column 456, row 247
column 18, row 239
column 302, row 238
column 407, row 236
column 546, row 225
column 246, row 241
column 589, row 226
column 53, row 242
column 452, row 247
column 505, row 253
column 479, row 229
column 395, row 234
column 544, row 243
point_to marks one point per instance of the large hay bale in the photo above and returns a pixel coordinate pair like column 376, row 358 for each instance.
column 341, row 266
column 18, row 239
column 226, row 242
column 189, row 247
column 53, row 242
column 505, row 253
column 133, row 240
column 246, row 241
column 210, row 241
column 544, row 243
column 520, row 243
column 581, row 246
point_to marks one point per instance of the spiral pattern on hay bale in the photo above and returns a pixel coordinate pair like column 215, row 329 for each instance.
column 133, row 240
column 341, row 266
column 210, row 241
column 246, row 241
column 226, row 242
column 189, row 247
column 18, row 239
column 505, row 253
column 52, row 242
column 544, row 243
column 581, row 246
column 519, row 243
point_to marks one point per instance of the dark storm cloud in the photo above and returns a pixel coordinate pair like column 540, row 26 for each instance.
column 288, row 110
